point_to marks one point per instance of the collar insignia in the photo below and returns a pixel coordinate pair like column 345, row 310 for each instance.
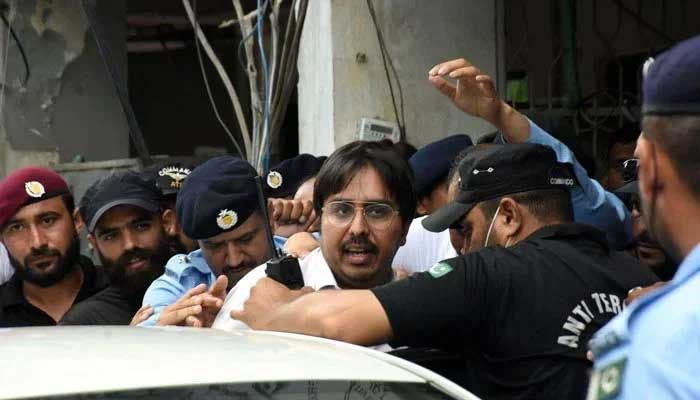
column 34, row 189
column 226, row 219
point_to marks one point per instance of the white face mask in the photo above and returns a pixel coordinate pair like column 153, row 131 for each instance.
column 488, row 234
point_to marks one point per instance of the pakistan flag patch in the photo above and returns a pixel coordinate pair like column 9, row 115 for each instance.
column 440, row 269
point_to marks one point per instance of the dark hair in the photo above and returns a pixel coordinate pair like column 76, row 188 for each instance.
column 345, row 162
column 679, row 137
column 549, row 205
column 625, row 135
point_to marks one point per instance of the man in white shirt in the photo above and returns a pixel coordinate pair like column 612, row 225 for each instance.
column 360, row 194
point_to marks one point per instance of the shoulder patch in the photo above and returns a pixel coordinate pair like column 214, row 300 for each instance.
column 440, row 269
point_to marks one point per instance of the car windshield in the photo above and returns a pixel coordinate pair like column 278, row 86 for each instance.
column 307, row 390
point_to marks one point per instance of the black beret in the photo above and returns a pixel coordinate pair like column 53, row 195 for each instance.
column 672, row 81
column 433, row 161
column 285, row 178
column 217, row 196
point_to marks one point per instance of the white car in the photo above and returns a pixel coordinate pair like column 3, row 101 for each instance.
column 184, row 363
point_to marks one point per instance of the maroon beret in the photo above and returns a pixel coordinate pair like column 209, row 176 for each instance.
column 28, row 185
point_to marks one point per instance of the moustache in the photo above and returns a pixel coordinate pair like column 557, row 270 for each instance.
column 646, row 239
column 41, row 252
column 127, row 258
column 359, row 243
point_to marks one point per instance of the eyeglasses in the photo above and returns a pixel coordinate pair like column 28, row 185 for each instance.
column 630, row 169
column 378, row 215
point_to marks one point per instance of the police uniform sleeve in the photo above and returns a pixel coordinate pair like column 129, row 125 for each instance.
column 441, row 307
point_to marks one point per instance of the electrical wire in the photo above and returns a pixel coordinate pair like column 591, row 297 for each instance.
column 6, row 49
column 208, row 88
column 265, row 142
column 20, row 47
column 386, row 59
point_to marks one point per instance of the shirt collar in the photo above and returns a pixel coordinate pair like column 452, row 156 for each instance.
column 12, row 293
column 689, row 266
column 572, row 230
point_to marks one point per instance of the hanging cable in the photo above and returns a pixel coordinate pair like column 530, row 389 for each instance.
column 20, row 47
column 386, row 59
column 200, row 37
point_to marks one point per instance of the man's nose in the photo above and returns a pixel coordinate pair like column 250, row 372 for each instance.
column 234, row 255
column 358, row 225
column 37, row 238
column 130, row 240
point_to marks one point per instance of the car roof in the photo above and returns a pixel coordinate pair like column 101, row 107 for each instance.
column 45, row 361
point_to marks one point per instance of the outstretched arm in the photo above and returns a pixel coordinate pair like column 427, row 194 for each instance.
column 353, row 316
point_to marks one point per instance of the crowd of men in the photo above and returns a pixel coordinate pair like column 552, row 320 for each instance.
column 507, row 253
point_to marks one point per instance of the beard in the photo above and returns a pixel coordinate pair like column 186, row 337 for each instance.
column 133, row 283
column 47, row 276
column 658, row 231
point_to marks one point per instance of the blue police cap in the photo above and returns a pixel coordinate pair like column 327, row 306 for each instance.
column 433, row 161
column 672, row 81
column 217, row 196
column 285, row 178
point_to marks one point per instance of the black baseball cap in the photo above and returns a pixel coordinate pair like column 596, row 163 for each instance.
column 120, row 188
column 169, row 175
column 491, row 171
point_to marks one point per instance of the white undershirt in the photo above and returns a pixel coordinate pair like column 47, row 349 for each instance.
column 317, row 275
column 6, row 270
column 423, row 249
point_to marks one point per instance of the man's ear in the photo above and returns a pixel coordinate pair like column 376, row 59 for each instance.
column 647, row 168
column 169, row 222
column 421, row 208
column 78, row 220
column 92, row 241
column 510, row 217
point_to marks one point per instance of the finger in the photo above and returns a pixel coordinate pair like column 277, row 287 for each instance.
column 274, row 208
column 199, row 289
column 309, row 225
column 141, row 315
column 307, row 210
column 486, row 85
column 218, row 289
column 447, row 66
column 184, row 303
column 238, row 315
column 177, row 317
column 193, row 321
column 443, row 86
column 209, row 301
column 465, row 73
column 287, row 207
column 297, row 210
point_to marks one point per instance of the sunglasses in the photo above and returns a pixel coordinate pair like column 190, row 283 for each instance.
column 630, row 169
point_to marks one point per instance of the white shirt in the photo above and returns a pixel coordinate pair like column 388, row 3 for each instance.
column 6, row 270
column 423, row 248
column 315, row 271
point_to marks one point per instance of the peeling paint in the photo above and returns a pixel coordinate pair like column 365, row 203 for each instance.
column 65, row 19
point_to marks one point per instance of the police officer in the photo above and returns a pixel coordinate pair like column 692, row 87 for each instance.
column 520, row 306
column 40, row 232
column 218, row 207
column 652, row 349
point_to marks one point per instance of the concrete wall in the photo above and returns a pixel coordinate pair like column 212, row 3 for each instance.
column 68, row 107
column 342, row 77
